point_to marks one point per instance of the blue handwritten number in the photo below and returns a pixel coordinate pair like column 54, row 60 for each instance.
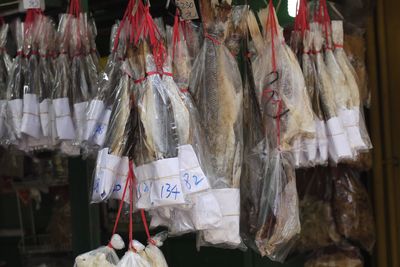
column 196, row 180
column 117, row 187
column 139, row 194
column 186, row 179
column 99, row 129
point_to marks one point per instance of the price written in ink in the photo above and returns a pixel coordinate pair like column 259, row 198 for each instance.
column 169, row 191
column 143, row 189
column 188, row 9
column 32, row 4
column 192, row 180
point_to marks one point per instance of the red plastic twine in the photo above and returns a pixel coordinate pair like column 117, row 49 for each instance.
column 130, row 178
column 127, row 184
column 301, row 21
column 324, row 19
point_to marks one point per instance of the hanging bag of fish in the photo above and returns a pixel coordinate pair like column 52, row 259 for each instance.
column 83, row 70
column 5, row 67
column 313, row 150
column 106, row 255
column 156, row 154
column 216, row 87
column 282, row 78
column 62, row 95
column 99, row 110
column 202, row 211
column 15, row 86
column 112, row 162
column 279, row 224
column 46, row 83
column 352, row 117
column 339, row 148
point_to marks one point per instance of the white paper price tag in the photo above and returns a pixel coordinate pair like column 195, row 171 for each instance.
column 28, row 4
column 144, row 183
column 193, row 178
column 166, row 189
column 188, row 9
column 80, row 119
column 122, row 176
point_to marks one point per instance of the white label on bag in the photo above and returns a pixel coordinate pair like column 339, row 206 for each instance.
column 28, row 4
column 166, row 189
column 64, row 125
column 80, row 119
column 338, row 139
column 322, row 141
column 30, row 119
column 188, row 9
column 45, row 116
column 206, row 212
column 15, row 107
column 144, row 183
column 311, row 145
column 100, row 133
column 122, row 176
column 351, row 121
column 193, row 178
column 94, row 114
column 106, row 175
column 228, row 232
column 3, row 106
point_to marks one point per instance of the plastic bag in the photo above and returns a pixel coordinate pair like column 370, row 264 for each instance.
column 339, row 147
column 342, row 256
column 102, row 257
column 5, row 65
column 352, row 208
column 353, row 120
column 279, row 223
column 153, row 254
column 133, row 259
column 15, row 85
column 318, row 227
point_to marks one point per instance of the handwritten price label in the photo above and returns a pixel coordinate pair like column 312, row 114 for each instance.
column 32, row 4
column 143, row 194
column 194, row 181
column 167, row 191
column 188, row 9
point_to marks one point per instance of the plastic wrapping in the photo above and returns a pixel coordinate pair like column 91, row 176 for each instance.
column 352, row 118
column 101, row 257
column 318, row 226
column 15, row 85
column 153, row 254
column 5, row 65
column 342, row 256
column 281, row 88
column 133, row 259
column 310, row 77
column 339, row 147
column 352, row 208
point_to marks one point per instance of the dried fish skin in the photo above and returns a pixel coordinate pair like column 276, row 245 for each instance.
column 216, row 87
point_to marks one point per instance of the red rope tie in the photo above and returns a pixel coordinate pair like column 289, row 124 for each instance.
column 338, row 45
column 120, row 209
column 167, row 74
column 146, row 227
column 213, row 39
column 184, row 90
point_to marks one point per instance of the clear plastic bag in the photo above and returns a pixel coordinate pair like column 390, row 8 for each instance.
column 279, row 223
column 5, row 65
column 352, row 208
column 15, row 85
column 133, row 259
column 353, row 119
column 338, row 147
column 153, row 254
column 102, row 257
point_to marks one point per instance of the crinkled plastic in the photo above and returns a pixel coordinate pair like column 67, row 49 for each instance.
column 318, row 226
column 352, row 208
column 279, row 223
column 338, row 147
column 5, row 65
column 340, row 256
column 101, row 257
column 15, row 85
column 133, row 259
column 216, row 86
column 310, row 77
column 281, row 90
column 153, row 254
column 352, row 118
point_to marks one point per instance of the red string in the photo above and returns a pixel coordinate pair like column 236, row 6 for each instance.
column 338, row 45
column 120, row 208
column 146, row 227
column 175, row 33
column 271, row 24
column 214, row 40
column 130, row 207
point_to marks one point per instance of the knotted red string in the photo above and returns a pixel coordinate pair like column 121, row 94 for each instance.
column 130, row 178
column 301, row 20
column 175, row 33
